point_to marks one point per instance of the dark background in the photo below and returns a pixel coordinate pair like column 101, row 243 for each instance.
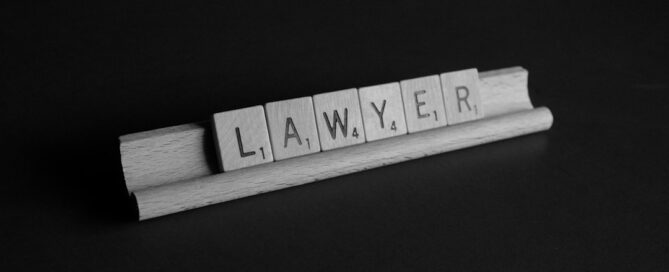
column 590, row 194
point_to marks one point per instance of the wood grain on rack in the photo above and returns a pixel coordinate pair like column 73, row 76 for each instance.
column 164, row 156
column 184, row 195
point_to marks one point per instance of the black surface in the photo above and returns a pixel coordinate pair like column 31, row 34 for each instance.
column 590, row 194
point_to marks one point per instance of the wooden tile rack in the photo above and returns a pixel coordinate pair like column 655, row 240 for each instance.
column 175, row 169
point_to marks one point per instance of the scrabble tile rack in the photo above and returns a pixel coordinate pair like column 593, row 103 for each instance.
column 175, row 169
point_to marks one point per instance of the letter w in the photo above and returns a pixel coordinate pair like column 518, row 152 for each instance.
column 332, row 127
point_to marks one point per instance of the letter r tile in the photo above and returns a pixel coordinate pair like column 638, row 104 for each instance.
column 423, row 103
column 339, row 119
column 241, row 138
column 382, row 111
column 461, row 96
column 292, row 127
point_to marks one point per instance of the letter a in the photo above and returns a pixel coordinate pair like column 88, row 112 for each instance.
column 289, row 125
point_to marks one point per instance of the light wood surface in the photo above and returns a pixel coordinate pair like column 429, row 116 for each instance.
column 382, row 111
column 339, row 119
column 462, row 98
column 504, row 91
column 292, row 127
column 198, row 192
column 241, row 138
column 166, row 155
column 423, row 103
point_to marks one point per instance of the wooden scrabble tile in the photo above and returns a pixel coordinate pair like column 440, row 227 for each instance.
column 382, row 111
column 338, row 118
column 461, row 96
column 423, row 103
column 292, row 127
column 241, row 138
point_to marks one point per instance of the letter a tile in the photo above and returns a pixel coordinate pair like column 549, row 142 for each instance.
column 382, row 111
column 241, row 138
column 423, row 103
column 338, row 118
column 292, row 128
column 461, row 96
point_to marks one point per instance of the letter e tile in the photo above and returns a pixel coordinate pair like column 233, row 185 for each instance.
column 423, row 103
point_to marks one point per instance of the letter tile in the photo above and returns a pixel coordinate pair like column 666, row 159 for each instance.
column 292, row 127
column 461, row 96
column 339, row 119
column 423, row 103
column 241, row 138
column 382, row 111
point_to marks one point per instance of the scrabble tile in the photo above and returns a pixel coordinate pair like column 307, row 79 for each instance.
column 461, row 96
column 423, row 103
column 338, row 118
column 292, row 128
column 241, row 138
column 382, row 111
